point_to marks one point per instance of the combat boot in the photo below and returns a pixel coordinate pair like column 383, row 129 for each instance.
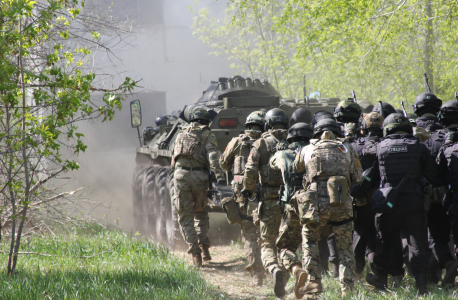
column 397, row 281
column 301, row 279
column 335, row 270
column 313, row 287
column 433, row 267
column 205, row 252
column 279, row 287
column 450, row 273
column 377, row 282
column 421, row 281
column 358, row 276
column 197, row 260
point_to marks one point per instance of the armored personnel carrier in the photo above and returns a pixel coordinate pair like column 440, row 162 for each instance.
column 230, row 101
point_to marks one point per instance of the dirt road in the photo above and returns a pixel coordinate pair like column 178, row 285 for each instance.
column 226, row 272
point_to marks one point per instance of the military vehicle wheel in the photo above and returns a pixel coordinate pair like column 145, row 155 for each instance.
column 161, row 189
column 174, row 237
column 149, row 200
column 137, row 199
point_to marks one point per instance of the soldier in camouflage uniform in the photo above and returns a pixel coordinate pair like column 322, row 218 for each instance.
column 331, row 167
column 290, row 237
column 195, row 152
column 269, row 206
column 234, row 159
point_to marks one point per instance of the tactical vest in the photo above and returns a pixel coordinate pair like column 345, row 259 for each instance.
column 292, row 180
column 451, row 154
column 396, row 155
column 269, row 177
column 436, row 141
column 241, row 158
column 360, row 145
column 190, row 143
column 329, row 158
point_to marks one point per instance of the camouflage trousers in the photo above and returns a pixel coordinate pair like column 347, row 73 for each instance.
column 289, row 238
column 250, row 234
column 190, row 202
column 270, row 219
column 343, row 235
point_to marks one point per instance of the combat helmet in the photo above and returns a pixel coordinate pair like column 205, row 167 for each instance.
column 276, row 116
column 321, row 115
column 200, row 114
column 327, row 125
column 347, row 111
column 301, row 115
column 396, row 122
column 426, row 103
column 372, row 121
column 257, row 118
column 161, row 120
column 300, row 130
column 387, row 109
column 448, row 114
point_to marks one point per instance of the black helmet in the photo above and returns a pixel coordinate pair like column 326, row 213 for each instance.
column 426, row 103
column 396, row 122
column 347, row 111
column 387, row 109
column 448, row 114
column 161, row 120
column 327, row 124
column 321, row 115
column 302, row 115
column 200, row 114
column 276, row 116
column 300, row 130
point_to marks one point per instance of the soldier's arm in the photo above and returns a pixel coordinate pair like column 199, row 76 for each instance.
column 227, row 158
column 428, row 164
column 214, row 154
column 298, row 163
column 275, row 161
column 252, row 166
column 356, row 169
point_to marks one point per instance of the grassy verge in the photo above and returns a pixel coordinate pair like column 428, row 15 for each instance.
column 135, row 269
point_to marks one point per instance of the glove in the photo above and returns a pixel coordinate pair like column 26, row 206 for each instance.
column 246, row 193
column 221, row 181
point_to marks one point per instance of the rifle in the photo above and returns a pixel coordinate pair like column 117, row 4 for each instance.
column 428, row 89
column 306, row 99
column 456, row 96
column 381, row 109
column 353, row 95
column 404, row 109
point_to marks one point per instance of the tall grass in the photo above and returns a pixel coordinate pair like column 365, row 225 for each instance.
column 136, row 269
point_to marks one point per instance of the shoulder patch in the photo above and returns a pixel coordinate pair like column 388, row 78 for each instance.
column 398, row 149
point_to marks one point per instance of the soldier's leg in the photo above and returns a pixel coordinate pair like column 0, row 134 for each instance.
column 252, row 251
column 311, row 255
column 289, row 239
column 455, row 233
column 201, row 219
column 270, row 219
column 363, row 230
column 324, row 253
column 184, row 205
column 333, row 254
column 343, row 238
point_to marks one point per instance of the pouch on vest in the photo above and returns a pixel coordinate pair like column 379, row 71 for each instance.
column 270, row 193
column 239, row 165
column 384, row 199
column 231, row 208
column 251, row 207
column 337, row 190
column 307, row 204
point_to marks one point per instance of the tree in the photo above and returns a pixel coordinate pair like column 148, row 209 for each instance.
column 378, row 48
column 46, row 81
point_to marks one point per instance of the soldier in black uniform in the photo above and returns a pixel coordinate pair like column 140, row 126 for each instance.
column 387, row 109
column 397, row 153
column 364, row 228
column 426, row 107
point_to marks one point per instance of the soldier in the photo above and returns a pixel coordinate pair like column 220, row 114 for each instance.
column 194, row 154
column 387, row 109
column 269, row 207
column 302, row 115
column 290, row 237
column 364, row 228
column 347, row 114
column 439, row 222
column 331, row 166
column 234, row 159
column 426, row 107
column 402, row 160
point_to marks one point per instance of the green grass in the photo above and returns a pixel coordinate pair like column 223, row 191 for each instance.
column 136, row 269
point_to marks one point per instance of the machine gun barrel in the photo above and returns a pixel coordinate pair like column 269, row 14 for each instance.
column 428, row 89
column 456, row 96
column 353, row 95
column 381, row 109
column 404, row 109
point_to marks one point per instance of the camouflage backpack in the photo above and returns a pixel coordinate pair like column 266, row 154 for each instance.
column 244, row 151
column 272, row 177
column 190, row 143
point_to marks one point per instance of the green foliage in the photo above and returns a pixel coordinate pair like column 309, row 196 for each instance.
column 378, row 48
column 136, row 269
